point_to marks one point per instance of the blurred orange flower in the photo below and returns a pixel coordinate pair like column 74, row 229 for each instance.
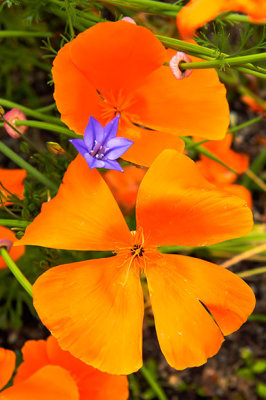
column 12, row 181
column 48, row 372
column 7, row 366
column 6, row 235
column 125, row 186
column 95, row 308
column 198, row 12
column 118, row 68
column 254, row 105
column 220, row 176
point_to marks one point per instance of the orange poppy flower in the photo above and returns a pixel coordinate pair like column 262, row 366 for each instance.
column 12, row 180
column 198, row 12
column 95, row 308
column 8, row 237
column 125, row 186
column 7, row 366
column 117, row 68
column 48, row 372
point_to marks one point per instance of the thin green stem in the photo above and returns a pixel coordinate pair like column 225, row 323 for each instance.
column 29, row 112
column 24, row 164
column 245, row 124
column 189, row 142
column 257, row 165
column 48, row 127
column 252, row 272
column 70, row 23
column 16, row 271
column 46, row 108
column 14, row 223
column 25, row 138
column 224, row 62
column 153, row 384
column 7, row 34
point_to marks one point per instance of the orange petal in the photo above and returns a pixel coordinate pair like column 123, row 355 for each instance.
column 195, row 106
column 221, row 149
column 15, row 252
column 198, row 12
column 35, row 357
column 82, row 216
column 76, row 99
column 96, row 312
column 92, row 383
column 12, row 180
column 149, row 144
column 50, row 382
column 186, row 332
column 239, row 191
column 227, row 297
column 125, row 186
column 7, row 366
column 116, row 56
column 176, row 205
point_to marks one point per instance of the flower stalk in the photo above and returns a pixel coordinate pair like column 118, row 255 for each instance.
column 16, row 271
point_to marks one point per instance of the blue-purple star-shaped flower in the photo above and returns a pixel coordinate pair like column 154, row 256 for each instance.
column 100, row 147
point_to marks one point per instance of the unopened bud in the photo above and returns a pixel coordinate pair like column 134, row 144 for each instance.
column 174, row 65
column 12, row 116
column 2, row 111
column 6, row 243
column 129, row 19
column 55, row 148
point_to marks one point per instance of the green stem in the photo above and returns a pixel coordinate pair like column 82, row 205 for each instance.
column 46, row 108
column 23, row 164
column 253, row 272
column 6, row 34
column 245, row 124
column 257, row 165
column 189, row 142
column 224, row 62
column 29, row 112
column 14, row 223
column 70, row 23
column 48, row 127
column 16, row 271
column 153, row 384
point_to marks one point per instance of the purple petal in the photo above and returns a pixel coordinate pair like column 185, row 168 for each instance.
column 79, row 145
column 110, row 130
column 117, row 146
column 108, row 164
column 93, row 131
column 93, row 162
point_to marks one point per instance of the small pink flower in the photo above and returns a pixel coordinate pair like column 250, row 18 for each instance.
column 11, row 116
column 129, row 19
column 175, row 62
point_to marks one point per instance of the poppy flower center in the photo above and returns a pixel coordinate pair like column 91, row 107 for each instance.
column 137, row 250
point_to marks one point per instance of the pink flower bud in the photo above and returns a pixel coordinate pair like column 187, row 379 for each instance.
column 128, row 19
column 174, row 65
column 11, row 116
column 6, row 243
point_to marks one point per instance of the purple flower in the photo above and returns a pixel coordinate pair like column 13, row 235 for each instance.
column 100, row 146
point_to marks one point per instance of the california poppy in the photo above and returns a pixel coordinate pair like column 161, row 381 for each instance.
column 95, row 308
column 219, row 175
column 7, row 366
column 48, row 372
column 198, row 12
column 125, row 186
column 7, row 238
column 255, row 106
column 116, row 68
column 12, row 181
